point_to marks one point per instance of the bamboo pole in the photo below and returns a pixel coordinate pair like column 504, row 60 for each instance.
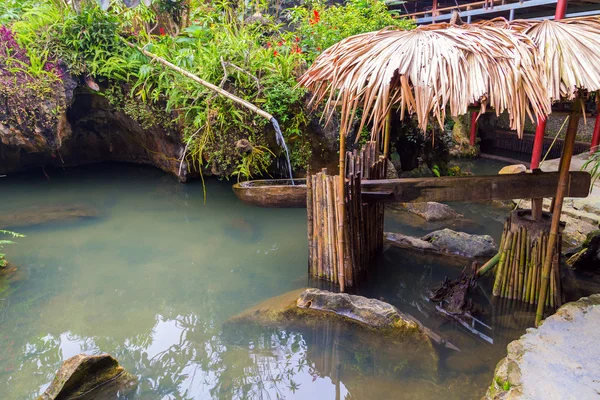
column 492, row 262
column 565, row 163
column 500, row 272
column 309, row 221
column 386, row 140
column 341, row 209
column 204, row 83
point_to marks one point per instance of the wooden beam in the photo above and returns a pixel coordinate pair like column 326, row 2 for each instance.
column 474, row 188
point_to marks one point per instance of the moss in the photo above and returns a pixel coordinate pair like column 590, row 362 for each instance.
column 505, row 385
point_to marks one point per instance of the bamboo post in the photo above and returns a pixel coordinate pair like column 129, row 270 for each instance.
column 565, row 164
column 341, row 209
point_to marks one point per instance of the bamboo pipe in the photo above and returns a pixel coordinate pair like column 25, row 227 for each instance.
column 204, row 83
column 561, row 190
column 490, row 264
column 341, row 210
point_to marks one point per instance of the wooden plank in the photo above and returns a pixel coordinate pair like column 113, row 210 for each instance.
column 473, row 188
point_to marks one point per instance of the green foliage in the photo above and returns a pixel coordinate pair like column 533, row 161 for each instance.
column 256, row 59
column 593, row 163
column 320, row 26
column 4, row 242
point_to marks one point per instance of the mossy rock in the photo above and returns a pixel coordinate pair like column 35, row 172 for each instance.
column 367, row 324
column 84, row 375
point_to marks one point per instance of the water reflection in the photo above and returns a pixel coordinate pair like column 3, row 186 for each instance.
column 153, row 280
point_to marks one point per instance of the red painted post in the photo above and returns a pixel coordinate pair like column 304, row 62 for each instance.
column 434, row 10
column 473, row 128
column 538, row 143
column 561, row 9
column 596, row 135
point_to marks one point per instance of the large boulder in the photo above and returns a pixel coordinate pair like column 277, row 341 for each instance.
column 462, row 244
column 98, row 376
column 445, row 242
column 559, row 360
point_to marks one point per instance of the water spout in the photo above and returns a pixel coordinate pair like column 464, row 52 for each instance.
column 281, row 142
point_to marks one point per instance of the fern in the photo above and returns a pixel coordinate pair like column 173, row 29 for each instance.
column 4, row 242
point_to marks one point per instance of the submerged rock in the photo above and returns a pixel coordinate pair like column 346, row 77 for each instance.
column 559, row 360
column 40, row 215
column 310, row 307
column 447, row 241
column 87, row 377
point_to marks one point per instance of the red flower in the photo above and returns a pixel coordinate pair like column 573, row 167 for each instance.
column 318, row 49
column 316, row 18
column 297, row 39
column 280, row 43
column 268, row 45
column 162, row 31
column 275, row 53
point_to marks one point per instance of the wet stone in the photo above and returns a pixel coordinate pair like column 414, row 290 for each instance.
column 90, row 377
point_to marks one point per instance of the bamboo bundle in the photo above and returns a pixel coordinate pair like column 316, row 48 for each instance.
column 363, row 225
column 518, row 274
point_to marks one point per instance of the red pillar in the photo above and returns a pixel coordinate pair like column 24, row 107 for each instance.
column 596, row 135
column 473, row 128
column 538, row 143
column 561, row 9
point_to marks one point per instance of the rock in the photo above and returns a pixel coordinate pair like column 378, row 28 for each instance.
column 40, row 215
column 461, row 143
column 513, row 169
column 372, row 312
column 309, row 307
column 87, row 129
column 559, row 360
column 422, row 171
column 447, row 241
column 588, row 256
column 398, row 348
column 463, row 244
column 90, row 375
column 409, row 242
column 432, row 211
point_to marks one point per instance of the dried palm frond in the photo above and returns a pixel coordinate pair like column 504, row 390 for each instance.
column 427, row 71
column 570, row 51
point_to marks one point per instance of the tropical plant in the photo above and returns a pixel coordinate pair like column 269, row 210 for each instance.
column 592, row 165
column 4, row 242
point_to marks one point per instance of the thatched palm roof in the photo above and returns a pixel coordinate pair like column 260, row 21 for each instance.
column 569, row 49
column 429, row 70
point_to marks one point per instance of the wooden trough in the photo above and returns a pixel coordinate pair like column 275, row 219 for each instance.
column 272, row 192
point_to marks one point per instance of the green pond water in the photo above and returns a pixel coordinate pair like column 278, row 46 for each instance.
column 152, row 279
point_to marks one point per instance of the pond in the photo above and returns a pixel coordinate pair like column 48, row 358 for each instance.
column 153, row 277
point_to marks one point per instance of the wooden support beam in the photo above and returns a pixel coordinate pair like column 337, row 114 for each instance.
column 474, row 188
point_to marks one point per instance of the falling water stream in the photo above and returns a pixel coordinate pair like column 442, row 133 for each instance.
column 281, row 142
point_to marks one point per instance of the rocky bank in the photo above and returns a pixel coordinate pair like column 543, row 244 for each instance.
column 557, row 361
